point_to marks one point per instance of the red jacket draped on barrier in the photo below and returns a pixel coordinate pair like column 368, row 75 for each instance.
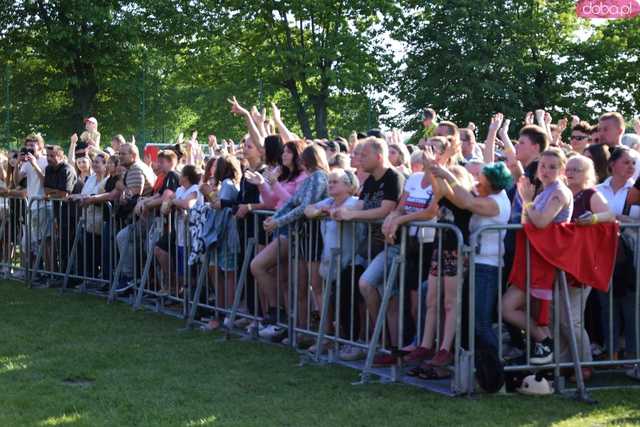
column 587, row 253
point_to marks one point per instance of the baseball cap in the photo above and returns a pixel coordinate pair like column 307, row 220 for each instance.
column 91, row 120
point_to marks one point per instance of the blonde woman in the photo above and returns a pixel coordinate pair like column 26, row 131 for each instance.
column 589, row 207
column 342, row 187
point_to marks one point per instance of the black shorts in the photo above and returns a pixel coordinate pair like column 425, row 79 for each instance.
column 413, row 277
column 166, row 241
column 310, row 241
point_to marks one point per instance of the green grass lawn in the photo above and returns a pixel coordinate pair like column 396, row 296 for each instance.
column 73, row 360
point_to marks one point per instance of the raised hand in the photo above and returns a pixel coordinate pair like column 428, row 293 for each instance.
column 496, row 123
column 428, row 157
column 258, row 117
column 276, row 112
column 526, row 189
column 562, row 124
column 212, row 141
column 528, row 118
column 236, row 108
column 574, row 121
column 74, row 139
column 471, row 126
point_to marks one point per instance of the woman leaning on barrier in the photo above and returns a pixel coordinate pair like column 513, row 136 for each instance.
column 490, row 206
column 615, row 190
column 553, row 205
column 589, row 207
column 108, row 193
column 90, row 249
column 312, row 190
column 343, row 185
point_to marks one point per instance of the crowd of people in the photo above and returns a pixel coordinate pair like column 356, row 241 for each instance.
column 360, row 191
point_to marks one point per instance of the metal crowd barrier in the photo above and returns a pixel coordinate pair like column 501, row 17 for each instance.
column 58, row 241
column 563, row 336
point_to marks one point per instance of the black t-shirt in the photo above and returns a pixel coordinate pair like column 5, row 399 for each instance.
column 451, row 214
column 61, row 177
column 637, row 184
column 388, row 187
column 171, row 182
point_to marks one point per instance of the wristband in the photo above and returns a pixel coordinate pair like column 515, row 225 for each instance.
column 594, row 219
column 453, row 184
column 527, row 206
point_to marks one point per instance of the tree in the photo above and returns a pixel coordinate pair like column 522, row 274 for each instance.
column 469, row 59
column 316, row 52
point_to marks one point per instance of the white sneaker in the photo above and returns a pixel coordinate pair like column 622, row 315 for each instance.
column 268, row 331
column 350, row 353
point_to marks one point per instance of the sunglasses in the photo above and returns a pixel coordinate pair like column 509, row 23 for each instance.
column 579, row 137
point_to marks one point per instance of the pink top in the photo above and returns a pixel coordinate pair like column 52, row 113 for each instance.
column 276, row 195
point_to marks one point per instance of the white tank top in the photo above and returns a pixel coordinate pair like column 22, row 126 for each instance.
column 488, row 251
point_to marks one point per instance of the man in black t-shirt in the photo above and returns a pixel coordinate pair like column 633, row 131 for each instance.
column 59, row 180
column 379, row 197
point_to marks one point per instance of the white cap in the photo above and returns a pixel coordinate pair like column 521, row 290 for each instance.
column 91, row 120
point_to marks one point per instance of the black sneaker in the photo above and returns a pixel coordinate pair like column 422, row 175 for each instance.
column 542, row 352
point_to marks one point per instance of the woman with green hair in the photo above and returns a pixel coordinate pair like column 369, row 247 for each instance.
column 489, row 206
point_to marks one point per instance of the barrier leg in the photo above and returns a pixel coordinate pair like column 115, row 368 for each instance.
column 240, row 285
column 326, row 296
column 40, row 255
column 71, row 261
column 382, row 312
column 202, row 279
column 116, row 279
column 147, row 268
column 581, row 393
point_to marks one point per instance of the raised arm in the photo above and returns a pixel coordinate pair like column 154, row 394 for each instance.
column 489, row 144
column 237, row 109
column 462, row 198
column 284, row 133
column 71, row 155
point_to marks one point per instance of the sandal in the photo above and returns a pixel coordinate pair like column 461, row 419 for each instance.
column 433, row 373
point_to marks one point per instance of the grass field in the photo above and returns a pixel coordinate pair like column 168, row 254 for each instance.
column 73, row 360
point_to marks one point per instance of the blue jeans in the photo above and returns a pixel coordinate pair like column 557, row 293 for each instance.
column 623, row 314
column 486, row 294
